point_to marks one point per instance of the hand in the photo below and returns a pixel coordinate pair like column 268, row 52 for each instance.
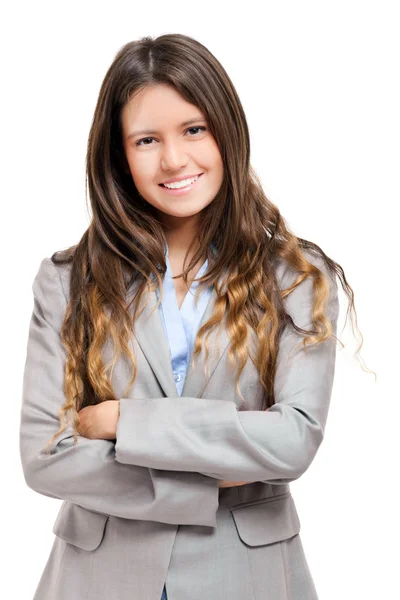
column 99, row 421
column 224, row 484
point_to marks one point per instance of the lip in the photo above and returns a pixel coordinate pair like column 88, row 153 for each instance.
column 182, row 191
column 180, row 178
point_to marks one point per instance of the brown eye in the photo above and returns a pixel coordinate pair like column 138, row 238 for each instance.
column 200, row 128
column 138, row 143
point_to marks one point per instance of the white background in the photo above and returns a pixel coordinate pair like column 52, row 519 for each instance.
column 319, row 82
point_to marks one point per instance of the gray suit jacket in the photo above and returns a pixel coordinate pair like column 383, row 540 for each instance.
column 146, row 509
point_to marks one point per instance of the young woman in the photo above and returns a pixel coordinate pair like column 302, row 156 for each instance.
column 181, row 356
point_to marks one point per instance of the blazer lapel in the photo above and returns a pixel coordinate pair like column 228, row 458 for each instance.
column 196, row 377
column 149, row 334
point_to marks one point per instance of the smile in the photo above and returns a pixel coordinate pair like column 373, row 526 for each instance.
column 179, row 188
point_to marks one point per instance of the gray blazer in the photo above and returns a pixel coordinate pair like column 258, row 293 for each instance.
column 146, row 509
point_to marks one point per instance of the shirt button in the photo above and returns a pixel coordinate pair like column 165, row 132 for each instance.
column 177, row 376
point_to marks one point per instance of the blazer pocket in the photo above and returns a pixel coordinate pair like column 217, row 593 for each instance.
column 267, row 521
column 79, row 526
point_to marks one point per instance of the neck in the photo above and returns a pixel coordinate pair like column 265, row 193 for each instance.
column 179, row 233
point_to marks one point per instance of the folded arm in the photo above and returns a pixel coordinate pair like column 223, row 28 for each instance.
column 87, row 473
column 213, row 437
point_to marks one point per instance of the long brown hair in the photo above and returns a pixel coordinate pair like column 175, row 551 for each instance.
column 126, row 241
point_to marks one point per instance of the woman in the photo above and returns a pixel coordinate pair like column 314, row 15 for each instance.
column 174, row 457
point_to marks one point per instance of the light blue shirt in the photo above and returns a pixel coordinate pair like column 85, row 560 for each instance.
column 181, row 325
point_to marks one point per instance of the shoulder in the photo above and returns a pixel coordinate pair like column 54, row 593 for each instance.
column 57, row 267
column 300, row 301
column 48, row 287
column 286, row 274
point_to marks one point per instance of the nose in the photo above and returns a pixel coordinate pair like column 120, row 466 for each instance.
column 173, row 156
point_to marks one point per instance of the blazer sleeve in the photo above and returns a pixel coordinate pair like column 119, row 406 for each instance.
column 213, row 437
column 87, row 473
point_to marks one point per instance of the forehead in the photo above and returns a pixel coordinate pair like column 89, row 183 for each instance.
column 157, row 106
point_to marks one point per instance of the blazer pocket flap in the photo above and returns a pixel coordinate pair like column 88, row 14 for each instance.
column 268, row 521
column 79, row 526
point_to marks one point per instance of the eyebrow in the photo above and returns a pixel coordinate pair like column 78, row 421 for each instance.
column 146, row 131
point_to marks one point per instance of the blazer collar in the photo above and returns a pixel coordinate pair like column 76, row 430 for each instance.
column 149, row 334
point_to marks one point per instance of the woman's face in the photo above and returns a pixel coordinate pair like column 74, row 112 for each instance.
column 159, row 147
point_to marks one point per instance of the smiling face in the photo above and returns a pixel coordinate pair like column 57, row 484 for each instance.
column 161, row 145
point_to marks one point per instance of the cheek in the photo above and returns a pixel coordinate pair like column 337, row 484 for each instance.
column 141, row 171
column 210, row 160
column 214, row 157
column 218, row 166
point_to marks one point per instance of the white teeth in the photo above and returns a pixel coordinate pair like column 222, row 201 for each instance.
column 180, row 184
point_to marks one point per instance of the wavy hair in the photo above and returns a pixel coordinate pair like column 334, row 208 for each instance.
column 125, row 240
